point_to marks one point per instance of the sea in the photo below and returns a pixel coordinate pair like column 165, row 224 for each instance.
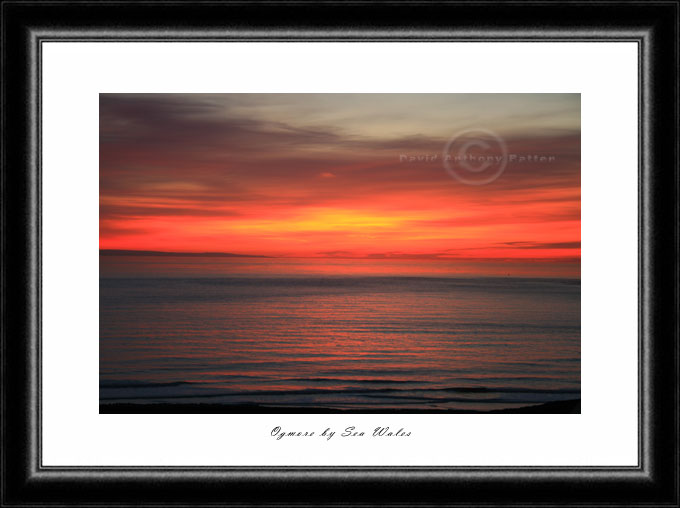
column 231, row 333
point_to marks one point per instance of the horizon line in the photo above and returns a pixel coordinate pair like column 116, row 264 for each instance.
column 374, row 257
column 129, row 252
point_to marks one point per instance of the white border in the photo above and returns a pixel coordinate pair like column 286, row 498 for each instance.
column 604, row 73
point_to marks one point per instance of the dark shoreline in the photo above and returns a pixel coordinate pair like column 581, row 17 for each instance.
column 558, row 407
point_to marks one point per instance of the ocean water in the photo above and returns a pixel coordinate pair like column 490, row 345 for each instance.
column 352, row 342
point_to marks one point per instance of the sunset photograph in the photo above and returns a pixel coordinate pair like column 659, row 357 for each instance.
column 339, row 253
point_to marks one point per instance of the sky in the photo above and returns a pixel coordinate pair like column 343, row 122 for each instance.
column 344, row 176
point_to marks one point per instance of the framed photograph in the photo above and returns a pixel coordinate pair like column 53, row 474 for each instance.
column 413, row 253
column 333, row 269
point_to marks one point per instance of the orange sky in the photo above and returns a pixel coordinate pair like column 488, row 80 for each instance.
column 304, row 175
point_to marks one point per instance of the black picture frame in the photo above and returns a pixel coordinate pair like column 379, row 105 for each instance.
column 653, row 25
